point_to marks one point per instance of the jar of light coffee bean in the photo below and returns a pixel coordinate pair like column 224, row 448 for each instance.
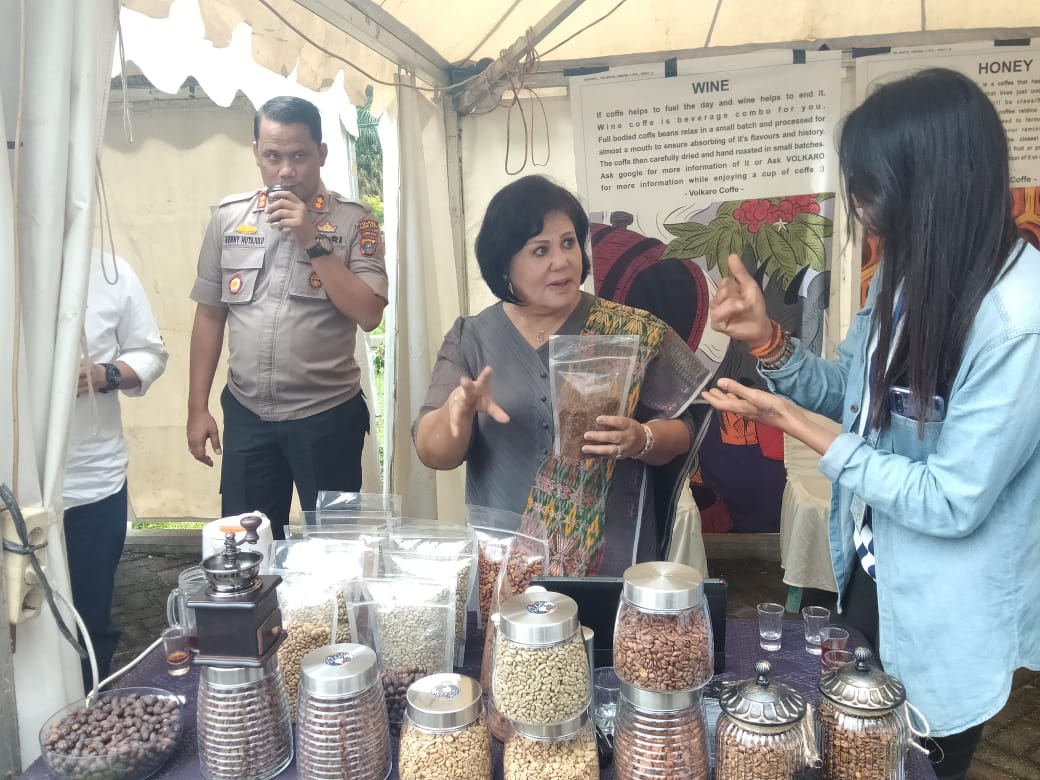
column 863, row 721
column 497, row 722
column 763, row 732
column 444, row 734
column 341, row 724
column 662, row 636
column 539, row 669
column 561, row 751
column 660, row 735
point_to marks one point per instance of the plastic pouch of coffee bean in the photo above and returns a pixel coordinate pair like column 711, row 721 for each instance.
column 511, row 550
column 445, row 554
column 589, row 376
column 409, row 622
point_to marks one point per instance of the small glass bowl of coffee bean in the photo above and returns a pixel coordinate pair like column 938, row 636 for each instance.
column 125, row 734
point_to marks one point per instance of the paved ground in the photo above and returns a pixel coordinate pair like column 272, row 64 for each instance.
column 1010, row 747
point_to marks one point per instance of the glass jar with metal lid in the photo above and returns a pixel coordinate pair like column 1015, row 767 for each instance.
column 561, row 751
column 497, row 722
column 763, row 732
column 444, row 734
column 660, row 735
column 662, row 636
column 864, row 721
column 341, row 722
column 243, row 721
column 539, row 670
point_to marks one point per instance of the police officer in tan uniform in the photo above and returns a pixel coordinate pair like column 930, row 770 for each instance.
column 292, row 273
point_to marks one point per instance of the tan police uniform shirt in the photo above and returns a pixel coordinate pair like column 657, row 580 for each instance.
column 291, row 351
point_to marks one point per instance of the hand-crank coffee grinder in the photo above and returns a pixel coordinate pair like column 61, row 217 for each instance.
column 244, row 723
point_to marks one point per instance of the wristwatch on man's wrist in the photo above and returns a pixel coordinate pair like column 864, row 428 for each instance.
column 113, row 377
column 322, row 246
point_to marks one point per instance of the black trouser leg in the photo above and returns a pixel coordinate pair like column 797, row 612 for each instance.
column 254, row 474
column 94, row 537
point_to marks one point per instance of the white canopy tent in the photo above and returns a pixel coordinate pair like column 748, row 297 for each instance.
column 420, row 55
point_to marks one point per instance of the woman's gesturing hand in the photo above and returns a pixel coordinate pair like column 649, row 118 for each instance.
column 739, row 308
column 473, row 395
column 729, row 395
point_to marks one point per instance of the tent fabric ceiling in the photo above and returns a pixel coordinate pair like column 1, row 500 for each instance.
column 465, row 31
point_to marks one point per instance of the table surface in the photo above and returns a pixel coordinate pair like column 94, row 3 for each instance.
column 791, row 664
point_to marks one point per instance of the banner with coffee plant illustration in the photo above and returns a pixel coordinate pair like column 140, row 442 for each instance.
column 1009, row 73
column 678, row 171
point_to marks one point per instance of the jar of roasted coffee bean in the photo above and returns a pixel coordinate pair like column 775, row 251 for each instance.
column 242, row 721
column 763, row 732
column 497, row 722
column 863, row 721
column 662, row 637
column 540, row 670
column 444, row 734
column 561, row 751
column 660, row 735
column 341, row 725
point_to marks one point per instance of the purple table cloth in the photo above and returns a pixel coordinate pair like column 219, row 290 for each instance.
column 792, row 665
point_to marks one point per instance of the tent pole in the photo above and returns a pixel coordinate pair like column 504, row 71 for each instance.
column 10, row 755
column 456, row 204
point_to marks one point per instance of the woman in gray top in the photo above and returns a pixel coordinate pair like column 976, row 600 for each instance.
column 614, row 505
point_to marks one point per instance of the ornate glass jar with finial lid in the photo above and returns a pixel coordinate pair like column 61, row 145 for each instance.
column 765, row 731
column 865, row 721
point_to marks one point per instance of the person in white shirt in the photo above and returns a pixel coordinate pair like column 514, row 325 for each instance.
column 123, row 351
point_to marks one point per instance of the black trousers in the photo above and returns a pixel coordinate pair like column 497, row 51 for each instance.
column 94, row 537
column 262, row 460
column 951, row 755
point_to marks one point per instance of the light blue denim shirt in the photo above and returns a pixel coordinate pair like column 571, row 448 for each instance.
column 956, row 516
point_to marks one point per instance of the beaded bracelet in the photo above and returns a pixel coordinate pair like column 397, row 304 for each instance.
column 649, row 443
column 781, row 356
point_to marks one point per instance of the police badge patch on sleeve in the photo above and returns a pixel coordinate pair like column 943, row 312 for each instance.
column 368, row 230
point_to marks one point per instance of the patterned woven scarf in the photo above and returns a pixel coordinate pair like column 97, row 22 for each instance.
column 570, row 496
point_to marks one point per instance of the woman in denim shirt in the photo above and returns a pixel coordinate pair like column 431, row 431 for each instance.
column 934, row 523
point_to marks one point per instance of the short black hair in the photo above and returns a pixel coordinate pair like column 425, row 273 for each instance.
column 515, row 214
column 286, row 110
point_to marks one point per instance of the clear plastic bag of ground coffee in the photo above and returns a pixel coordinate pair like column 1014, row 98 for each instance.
column 445, row 554
column 511, row 549
column 589, row 376
column 409, row 622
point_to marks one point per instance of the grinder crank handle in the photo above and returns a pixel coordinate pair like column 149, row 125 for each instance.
column 251, row 524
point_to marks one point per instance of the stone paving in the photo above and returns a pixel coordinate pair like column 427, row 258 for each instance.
column 1010, row 748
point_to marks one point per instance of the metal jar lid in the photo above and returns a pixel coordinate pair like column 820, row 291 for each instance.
column 663, row 586
column 235, row 676
column 539, row 618
column 443, row 702
column 859, row 687
column 660, row 701
column 338, row 670
column 550, row 731
column 762, row 702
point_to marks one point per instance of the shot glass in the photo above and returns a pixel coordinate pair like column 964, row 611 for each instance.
column 815, row 618
column 177, row 650
column 770, row 625
column 832, row 659
column 606, row 687
column 833, row 638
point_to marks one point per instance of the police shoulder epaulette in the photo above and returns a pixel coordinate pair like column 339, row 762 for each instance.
column 343, row 199
column 239, row 197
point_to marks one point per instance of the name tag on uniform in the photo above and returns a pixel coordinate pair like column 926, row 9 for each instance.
column 244, row 239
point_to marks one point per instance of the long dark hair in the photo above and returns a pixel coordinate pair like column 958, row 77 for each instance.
column 924, row 163
column 515, row 213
